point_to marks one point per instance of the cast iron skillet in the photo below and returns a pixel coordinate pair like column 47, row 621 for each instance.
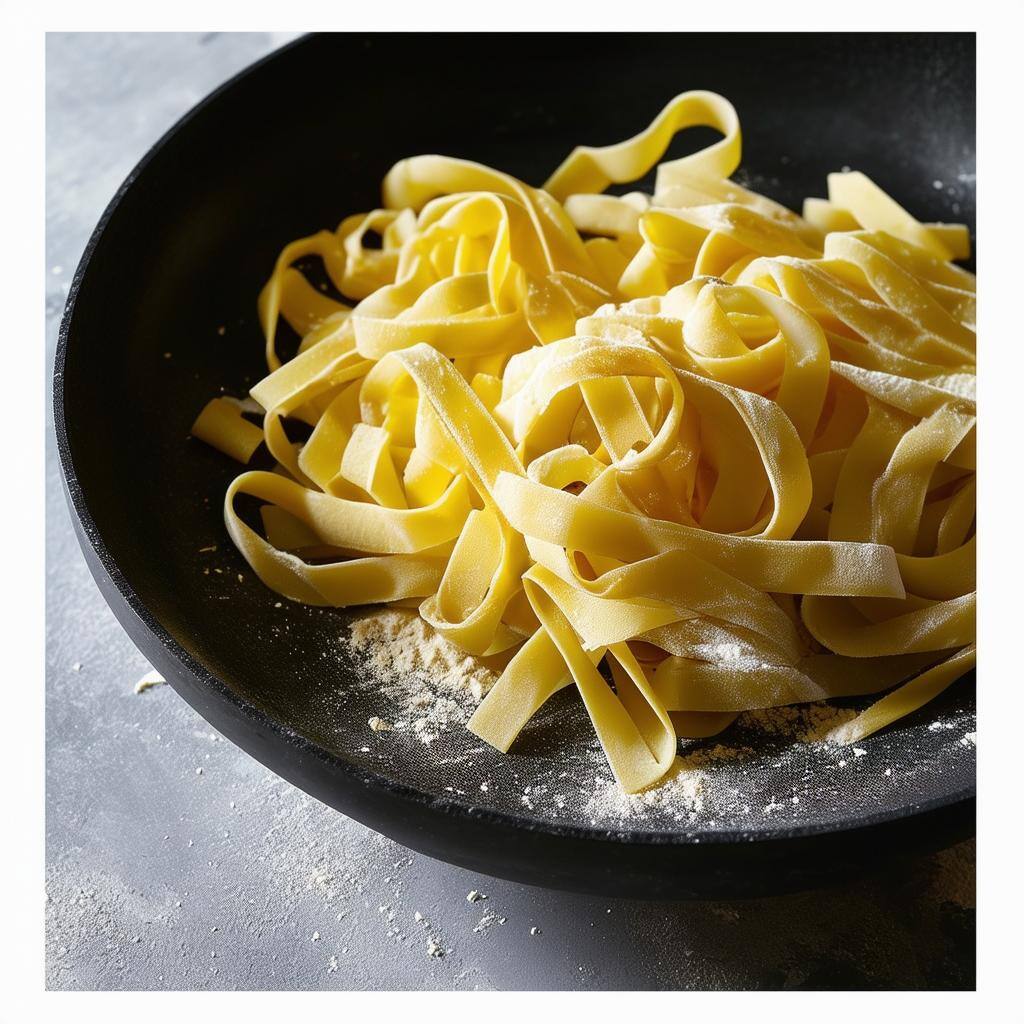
column 290, row 146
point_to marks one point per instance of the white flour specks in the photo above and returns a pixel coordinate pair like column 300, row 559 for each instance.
column 429, row 681
column 806, row 723
column 682, row 795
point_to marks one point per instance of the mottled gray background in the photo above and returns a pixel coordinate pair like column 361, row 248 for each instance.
column 175, row 861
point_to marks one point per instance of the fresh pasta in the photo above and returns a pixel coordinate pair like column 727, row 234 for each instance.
column 686, row 451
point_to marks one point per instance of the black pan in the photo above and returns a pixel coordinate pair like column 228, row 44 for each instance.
column 292, row 145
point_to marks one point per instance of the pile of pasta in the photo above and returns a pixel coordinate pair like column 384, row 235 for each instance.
column 721, row 451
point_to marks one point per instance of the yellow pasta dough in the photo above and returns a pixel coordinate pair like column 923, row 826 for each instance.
column 722, row 451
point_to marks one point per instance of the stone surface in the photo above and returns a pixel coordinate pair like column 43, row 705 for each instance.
column 175, row 861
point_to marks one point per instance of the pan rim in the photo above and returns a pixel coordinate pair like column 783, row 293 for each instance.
column 956, row 801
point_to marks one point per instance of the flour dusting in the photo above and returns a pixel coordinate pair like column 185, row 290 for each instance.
column 805, row 723
column 688, row 789
column 771, row 764
column 431, row 682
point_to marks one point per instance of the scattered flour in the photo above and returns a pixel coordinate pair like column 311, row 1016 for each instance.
column 487, row 922
column 682, row 794
column 93, row 919
column 148, row 681
column 431, row 682
column 806, row 723
column 431, row 685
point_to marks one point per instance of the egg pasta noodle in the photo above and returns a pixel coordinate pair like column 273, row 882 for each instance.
column 686, row 451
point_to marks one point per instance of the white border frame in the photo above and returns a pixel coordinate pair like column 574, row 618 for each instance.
column 999, row 26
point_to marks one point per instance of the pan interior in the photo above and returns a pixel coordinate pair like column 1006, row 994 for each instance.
column 165, row 318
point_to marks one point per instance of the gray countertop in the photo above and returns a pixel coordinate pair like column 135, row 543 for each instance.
column 175, row 861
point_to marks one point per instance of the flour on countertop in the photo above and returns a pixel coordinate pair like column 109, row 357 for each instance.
column 487, row 922
column 148, row 681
